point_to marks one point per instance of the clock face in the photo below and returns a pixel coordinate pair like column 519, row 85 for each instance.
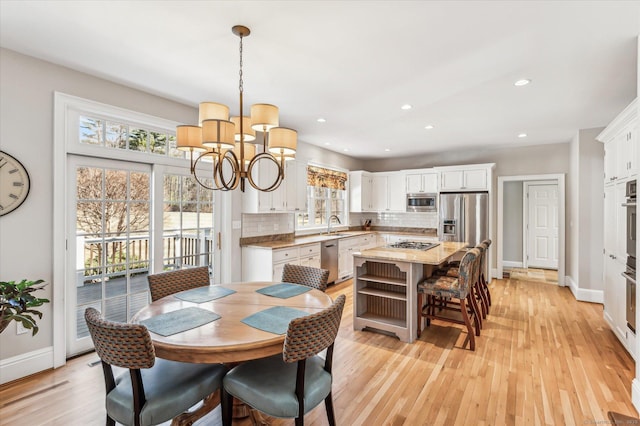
column 14, row 183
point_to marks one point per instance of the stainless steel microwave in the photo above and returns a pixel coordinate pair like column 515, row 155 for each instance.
column 421, row 202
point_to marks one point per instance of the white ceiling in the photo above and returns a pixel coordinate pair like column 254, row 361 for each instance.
column 355, row 63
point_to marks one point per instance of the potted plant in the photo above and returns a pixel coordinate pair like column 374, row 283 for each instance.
column 17, row 303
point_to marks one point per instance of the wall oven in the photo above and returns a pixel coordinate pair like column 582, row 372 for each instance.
column 630, row 272
column 421, row 202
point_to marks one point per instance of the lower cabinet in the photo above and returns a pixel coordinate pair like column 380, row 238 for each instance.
column 265, row 264
column 346, row 249
column 615, row 302
column 384, row 296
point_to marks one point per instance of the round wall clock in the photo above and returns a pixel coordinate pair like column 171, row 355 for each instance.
column 14, row 183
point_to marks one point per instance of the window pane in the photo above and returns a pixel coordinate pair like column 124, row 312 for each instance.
column 158, row 143
column 138, row 140
column 116, row 135
column 115, row 185
column 139, row 217
column 115, row 217
column 90, row 131
column 173, row 150
column 189, row 189
column 139, row 186
column 89, row 216
column 89, row 183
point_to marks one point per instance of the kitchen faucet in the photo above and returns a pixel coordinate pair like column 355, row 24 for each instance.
column 333, row 216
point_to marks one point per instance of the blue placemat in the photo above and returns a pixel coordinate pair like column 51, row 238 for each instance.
column 274, row 320
column 178, row 321
column 204, row 294
column 284, row 290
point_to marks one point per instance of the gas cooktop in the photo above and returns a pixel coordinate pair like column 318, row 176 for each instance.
column 413, row 245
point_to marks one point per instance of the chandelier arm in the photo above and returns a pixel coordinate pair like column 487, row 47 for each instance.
column 279, row 176
column 195, row 175
column 232, row 182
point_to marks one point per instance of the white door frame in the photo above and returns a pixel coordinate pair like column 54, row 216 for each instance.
column 560, row 179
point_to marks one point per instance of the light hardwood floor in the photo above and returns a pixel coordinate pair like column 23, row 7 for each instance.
column 542, row 358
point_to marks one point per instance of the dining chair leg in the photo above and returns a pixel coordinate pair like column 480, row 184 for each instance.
column 299, row 421
column 110, row 421
column 473, row 308
column 467, row 322
column 481, row 298
column 328, row 403
column 227, row 407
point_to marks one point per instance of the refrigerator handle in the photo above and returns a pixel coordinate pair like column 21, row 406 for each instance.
column 462, row 220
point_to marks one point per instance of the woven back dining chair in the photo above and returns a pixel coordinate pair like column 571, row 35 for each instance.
column 459, row 290
column 290, row 384
column 167, row 283
column 305, row 275
column 153, row 390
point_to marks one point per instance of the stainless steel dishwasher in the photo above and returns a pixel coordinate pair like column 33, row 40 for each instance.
column 329, row 259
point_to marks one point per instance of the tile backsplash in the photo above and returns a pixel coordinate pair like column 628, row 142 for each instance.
column 257, row 225
column 396, row 219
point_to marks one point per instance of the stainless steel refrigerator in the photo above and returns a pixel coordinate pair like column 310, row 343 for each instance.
column 464, row 217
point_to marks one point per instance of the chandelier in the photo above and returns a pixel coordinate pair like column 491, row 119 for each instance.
column 230, row 144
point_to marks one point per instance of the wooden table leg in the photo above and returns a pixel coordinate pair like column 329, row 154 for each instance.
column 208, row 404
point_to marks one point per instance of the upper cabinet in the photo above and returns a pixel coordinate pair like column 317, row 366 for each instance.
column 475, row 177
column 418, row 181
column 620, row 139
column 290, row 196
column 377, row 192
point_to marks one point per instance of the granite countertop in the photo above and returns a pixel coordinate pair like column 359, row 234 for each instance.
column 433, row 256
column 289, row 240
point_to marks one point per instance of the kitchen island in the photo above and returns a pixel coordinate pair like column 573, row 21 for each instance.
column 385, row 286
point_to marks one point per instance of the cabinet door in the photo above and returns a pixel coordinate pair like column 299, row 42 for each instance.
column 378, row 193
column 627, row 155
column 396, row 195
column 277, row 271
column 615, row 296
column 430, row 183
column 296, row 186
column 621, row 222
column 451, row 180
column 475, row 179
column 610, row 160
column 610, row 220
column 414, row 183
column 276, row 199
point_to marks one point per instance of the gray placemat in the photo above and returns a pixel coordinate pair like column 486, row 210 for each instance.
column 274, row 320
column 204, row 294
column 284, row 290
column 178, row 321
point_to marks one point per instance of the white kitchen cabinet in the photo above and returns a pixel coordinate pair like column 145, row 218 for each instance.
column 620, row 140
column 615, row 299
column 291, row 195
column 360, row 183
column 265, row 264
column 418, row 181
column 463, row 180
column 379, row 192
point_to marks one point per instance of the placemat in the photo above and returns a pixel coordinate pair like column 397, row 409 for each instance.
column 284, row 290
column 274, row 320
column 204, row 294
column 178, row 321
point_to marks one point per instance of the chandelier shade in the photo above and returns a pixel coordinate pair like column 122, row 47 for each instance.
column 225, row 144
column 218, row 134
column 283, row 142
column 213, row 111
column 264, row 117
column 189, row 138
column 249, row 135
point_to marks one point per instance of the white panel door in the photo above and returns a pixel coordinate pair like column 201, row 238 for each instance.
column 542, row 235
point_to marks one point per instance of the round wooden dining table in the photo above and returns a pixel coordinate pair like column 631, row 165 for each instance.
column 227, row 339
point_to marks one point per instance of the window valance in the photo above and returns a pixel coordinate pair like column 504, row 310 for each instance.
column 326, row 178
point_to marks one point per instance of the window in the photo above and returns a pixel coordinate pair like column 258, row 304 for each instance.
column 117, row 135
column 187, row 223
column 326, row 196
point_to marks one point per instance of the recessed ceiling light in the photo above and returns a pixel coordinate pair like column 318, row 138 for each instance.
column 522, row 135
column 346, row 150
column 429, row 126
column 406, row 107
column 327, row 143
column 387, row 150
column 522, row 82
column 321, row 120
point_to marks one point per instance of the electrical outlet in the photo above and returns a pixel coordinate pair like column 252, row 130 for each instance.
column 20, row 328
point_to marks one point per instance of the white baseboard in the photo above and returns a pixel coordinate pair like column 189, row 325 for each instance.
column 584, row 294
column 24, row 365
column 510, row 264
column 635, row 393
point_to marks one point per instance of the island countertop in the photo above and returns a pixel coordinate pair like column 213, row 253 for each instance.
column 434, row 256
